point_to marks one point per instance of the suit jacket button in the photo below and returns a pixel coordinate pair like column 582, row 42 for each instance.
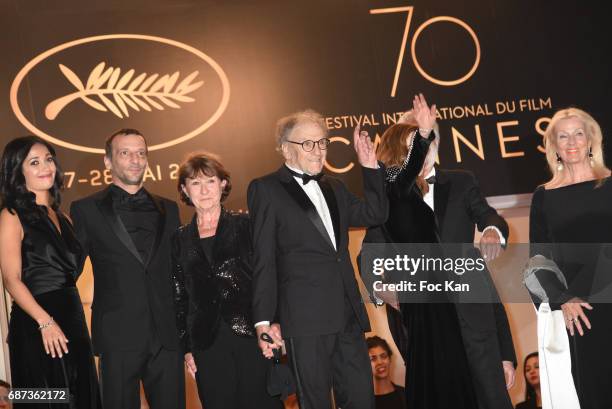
column 338, row 259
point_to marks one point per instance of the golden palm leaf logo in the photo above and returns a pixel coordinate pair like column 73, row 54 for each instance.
column 122, row 92
column 144, row 91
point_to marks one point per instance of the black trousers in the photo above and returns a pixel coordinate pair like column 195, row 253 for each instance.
column 485, row 362
column 161, row 371
column 339, row 361
column 232, row 373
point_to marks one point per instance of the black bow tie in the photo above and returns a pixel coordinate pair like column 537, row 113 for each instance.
column 305, row 177
column 431, row 180
column 137, row 201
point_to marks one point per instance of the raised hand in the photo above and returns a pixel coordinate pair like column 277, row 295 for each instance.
column 424, row 116
column 364, row 148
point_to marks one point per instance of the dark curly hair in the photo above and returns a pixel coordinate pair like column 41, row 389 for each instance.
column 377, row 341
column 14, row 194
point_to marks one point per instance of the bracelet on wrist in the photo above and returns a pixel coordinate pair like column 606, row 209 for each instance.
column 46, row 324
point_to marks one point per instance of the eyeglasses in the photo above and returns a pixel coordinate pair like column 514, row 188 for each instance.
column 309, row 145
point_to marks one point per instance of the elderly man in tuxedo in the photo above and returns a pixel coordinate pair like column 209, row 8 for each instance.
column 303, row 276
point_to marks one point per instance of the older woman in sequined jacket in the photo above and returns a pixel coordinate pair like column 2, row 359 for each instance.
column 213, row 293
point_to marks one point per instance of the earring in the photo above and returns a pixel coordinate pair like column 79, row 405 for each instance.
column 591, row 161
column 559, row 163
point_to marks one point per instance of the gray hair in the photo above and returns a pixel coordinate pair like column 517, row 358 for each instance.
column 287, row 124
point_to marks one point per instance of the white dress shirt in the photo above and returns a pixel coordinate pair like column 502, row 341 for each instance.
column 429, row 196
column 315, row 194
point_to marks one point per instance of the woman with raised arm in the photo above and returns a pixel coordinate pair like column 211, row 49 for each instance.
column 427, row 334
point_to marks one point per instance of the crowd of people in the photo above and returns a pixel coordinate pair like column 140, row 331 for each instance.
column 220, row 294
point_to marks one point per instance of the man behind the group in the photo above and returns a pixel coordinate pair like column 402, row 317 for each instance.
column 302, row 269
column 126, row 232
column 387, row 394
column 459, row 206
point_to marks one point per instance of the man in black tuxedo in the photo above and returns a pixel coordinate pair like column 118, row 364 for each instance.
column 302, row 270
column 126, row 232
column 459, row 205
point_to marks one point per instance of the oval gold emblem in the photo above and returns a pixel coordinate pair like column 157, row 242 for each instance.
column 119, row 92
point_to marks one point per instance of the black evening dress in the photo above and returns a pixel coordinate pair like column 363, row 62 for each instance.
column 430, row 341
column 528, row 404
column 576, row 220
column 51, row 263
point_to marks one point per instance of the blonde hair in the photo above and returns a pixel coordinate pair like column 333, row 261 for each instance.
column 594, row 137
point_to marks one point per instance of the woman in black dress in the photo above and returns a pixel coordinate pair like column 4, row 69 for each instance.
column 41, row 260
column 437, row 371
column 213, row 293
column 575, row 206
column 531, row 372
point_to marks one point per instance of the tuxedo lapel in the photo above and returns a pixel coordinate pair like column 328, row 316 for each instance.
column 441, row 192
column 332, row 205
column 105, row 204
column 302, row 199
column 161, row 224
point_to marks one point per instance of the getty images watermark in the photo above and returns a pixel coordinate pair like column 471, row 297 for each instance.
column 459, row 273
column 411, row 266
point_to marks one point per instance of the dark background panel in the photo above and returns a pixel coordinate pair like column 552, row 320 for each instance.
column 331, row 56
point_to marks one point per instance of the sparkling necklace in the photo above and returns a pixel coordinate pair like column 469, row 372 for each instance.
column 394, row 171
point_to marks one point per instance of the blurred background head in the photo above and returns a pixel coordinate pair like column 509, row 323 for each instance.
column 531, row 371
column 5, row 388
column 380, row 357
